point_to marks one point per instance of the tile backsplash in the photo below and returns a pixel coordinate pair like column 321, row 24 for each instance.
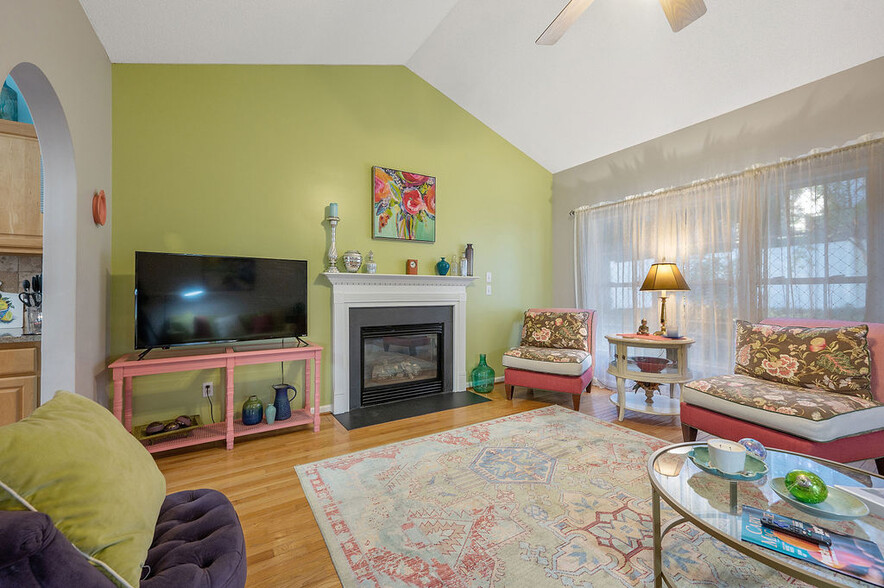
column 15, row 269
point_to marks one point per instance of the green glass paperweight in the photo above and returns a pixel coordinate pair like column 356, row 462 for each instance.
column 482, row 376
column 806, row 486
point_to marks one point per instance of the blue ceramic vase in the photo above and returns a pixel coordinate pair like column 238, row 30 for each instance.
column 252, row 411
column 442, row 267
column 283, row 402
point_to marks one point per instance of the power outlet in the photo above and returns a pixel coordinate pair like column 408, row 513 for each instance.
column 208, row 389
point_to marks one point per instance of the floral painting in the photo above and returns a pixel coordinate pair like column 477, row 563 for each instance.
column 404, row 205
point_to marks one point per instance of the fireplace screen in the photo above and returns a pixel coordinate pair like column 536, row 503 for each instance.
column 401, row 362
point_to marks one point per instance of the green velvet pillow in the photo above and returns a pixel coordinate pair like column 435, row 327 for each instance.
column 72, row 460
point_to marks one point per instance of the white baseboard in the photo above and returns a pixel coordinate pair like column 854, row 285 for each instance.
column 323, row 408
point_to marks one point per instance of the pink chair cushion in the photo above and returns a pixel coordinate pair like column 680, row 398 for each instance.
column 554, row 382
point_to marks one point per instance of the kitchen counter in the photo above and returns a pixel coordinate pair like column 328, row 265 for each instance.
column 4, row 339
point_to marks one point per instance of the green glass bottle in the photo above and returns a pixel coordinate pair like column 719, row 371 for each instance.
column 482, row 376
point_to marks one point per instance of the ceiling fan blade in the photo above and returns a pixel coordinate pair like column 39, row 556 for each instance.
column 564, row 20
column 681, row 13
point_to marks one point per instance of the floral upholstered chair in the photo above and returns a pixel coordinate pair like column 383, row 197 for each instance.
column 804, row 385
column 556, row 352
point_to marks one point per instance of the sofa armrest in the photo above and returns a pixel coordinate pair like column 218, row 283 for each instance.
column 34, row 553
column 22, row 534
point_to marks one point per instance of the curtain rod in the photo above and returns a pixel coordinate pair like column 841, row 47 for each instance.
column 860, row 142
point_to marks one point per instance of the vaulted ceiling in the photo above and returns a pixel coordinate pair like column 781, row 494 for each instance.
column 618, row 77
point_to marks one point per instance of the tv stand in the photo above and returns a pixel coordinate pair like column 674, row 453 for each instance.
column 228, row 358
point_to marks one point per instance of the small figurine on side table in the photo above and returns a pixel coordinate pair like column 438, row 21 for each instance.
column 643, row 328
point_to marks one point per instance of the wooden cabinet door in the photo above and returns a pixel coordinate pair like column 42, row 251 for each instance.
column 16, row 398
column 21, row 222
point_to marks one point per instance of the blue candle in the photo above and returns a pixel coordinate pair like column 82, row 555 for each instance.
column 333, row 209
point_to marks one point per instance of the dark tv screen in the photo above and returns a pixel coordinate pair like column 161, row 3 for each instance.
column 189, row 299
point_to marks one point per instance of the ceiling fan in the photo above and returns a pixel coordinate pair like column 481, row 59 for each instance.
column 679, row 13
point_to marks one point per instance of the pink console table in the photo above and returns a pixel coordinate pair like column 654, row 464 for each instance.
column 164, row 362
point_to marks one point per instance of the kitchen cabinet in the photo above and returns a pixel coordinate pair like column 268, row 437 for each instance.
column 19, row 381
column 21, row 221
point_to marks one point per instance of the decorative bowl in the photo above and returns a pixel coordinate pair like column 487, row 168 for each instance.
column 653, row 365
column 156, row 431
column 352, row 261
column 838, row 505
column 753, row 470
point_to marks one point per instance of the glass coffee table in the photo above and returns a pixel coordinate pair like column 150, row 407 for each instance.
column 714, row 504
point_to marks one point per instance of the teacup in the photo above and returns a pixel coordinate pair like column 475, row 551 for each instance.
column 727, row 456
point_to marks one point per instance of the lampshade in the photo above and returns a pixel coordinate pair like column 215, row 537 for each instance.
column 664, row 276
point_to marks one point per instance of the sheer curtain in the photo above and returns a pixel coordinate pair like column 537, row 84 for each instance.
column 797, row 238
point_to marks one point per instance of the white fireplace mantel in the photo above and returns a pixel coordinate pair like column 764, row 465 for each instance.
column 391, row 290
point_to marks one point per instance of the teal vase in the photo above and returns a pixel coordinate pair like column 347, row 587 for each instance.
column 482, row 376
column 270, row 413
column 252, row 411
column 442, row 267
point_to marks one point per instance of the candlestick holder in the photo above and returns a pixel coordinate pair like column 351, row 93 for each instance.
column 332, row 251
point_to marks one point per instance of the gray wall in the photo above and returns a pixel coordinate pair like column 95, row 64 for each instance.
column 825, row 113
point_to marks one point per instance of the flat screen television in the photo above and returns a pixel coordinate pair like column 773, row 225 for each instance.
column 190, row 299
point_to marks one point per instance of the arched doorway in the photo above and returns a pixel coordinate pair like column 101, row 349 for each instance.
column 58, row 341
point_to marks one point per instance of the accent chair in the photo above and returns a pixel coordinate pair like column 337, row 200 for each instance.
column 556, row 353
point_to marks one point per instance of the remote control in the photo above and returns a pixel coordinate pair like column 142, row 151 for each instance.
column 796, row 529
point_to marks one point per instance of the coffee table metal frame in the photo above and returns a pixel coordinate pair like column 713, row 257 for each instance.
column 760, row 554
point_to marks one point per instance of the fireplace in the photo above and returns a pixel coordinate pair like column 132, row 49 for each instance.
column 398, row 354
column 388, row 293
column 401, row 362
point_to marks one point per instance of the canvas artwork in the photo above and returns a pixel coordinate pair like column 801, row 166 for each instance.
column 404, row 205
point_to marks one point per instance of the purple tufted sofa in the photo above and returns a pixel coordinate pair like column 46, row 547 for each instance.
column 198, row 543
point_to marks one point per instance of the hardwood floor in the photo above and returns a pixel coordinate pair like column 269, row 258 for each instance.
column 285, row 547
column 284, row 544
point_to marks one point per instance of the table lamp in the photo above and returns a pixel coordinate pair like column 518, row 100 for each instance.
column 661, row 277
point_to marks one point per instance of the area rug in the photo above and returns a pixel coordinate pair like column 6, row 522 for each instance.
column 548, row 497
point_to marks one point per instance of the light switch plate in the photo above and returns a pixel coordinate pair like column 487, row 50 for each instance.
column 488, row 277
column 488, row 290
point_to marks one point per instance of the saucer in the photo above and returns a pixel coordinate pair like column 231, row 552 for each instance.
column 753, row 470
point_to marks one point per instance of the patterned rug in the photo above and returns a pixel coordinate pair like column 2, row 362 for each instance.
column 549, row 497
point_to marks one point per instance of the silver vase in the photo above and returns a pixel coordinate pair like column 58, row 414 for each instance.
column 352, row 261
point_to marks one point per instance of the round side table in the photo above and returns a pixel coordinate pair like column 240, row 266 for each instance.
column 650, row 361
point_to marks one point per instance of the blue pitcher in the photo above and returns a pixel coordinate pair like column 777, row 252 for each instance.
column 283, row 402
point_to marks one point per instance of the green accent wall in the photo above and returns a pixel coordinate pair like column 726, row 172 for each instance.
column 243, row 160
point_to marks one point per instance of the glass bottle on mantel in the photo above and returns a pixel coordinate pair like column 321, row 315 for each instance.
column 371, row 267
column 468, row 253
column 482, row 376
column 463, row 265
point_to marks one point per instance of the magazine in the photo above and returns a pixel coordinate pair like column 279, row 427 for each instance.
column 851, row 556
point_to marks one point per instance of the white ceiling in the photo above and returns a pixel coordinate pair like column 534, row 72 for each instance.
column 619, row 77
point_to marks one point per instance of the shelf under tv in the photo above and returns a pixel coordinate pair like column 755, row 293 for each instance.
column 226, row 357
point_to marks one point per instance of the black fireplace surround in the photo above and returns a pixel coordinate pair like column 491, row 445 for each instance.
column 398, row 353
